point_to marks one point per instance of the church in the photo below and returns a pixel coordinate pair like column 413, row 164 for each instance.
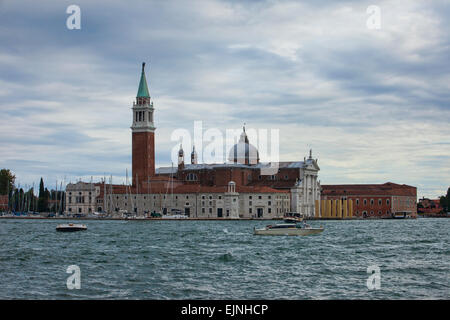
column 235, row 189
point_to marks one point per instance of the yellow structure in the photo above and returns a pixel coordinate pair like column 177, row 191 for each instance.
column 333, row 208
column 345, row 207
column 328, row 208
column 339, row 209
column 322, row 208
column 317, row 209
column 350, row 208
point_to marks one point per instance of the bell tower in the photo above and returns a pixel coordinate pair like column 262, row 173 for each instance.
column 143, row 136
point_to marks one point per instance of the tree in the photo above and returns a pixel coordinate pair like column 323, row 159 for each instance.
column 7, row 179
column 42, row 203
column 443, row 202
column 448, row 200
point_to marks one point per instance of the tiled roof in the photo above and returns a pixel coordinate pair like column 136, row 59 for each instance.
column 205, row 166
column 387, row 188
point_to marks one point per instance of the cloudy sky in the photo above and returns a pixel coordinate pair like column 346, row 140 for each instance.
column 373, row 104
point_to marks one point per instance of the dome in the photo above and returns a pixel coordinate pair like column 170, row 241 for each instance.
column 243, row 152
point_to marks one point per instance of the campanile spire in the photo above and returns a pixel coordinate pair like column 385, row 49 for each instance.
column 143, row 88
column 143, row 134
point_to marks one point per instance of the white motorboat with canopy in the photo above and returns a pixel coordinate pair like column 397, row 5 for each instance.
column 294, row 225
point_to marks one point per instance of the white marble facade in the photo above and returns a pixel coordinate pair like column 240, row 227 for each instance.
column 307, row 190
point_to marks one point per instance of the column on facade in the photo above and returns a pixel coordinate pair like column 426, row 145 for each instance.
column 305, row 203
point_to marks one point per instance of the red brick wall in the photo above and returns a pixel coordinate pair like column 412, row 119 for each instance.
column 380, row 200
column 143, row 156
column 3, row 202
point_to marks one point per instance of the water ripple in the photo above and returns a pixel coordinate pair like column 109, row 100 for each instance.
column 223, row 260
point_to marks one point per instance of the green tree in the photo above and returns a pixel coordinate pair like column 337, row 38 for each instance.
column 444, row 201
column 7, row 179
column 42, row 203
column 47, row 199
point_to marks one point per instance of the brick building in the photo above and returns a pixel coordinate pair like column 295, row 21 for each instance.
column 237, row 188
column 3, row 202
column 376, row 200
column 430, row 206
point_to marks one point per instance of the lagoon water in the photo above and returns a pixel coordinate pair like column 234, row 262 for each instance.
column 224, row 260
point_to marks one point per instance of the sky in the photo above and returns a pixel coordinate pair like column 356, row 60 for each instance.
column 373, row 104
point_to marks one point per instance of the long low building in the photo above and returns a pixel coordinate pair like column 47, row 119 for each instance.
column 375, row 200
column 194, row 201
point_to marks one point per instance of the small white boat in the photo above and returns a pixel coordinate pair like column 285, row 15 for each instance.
column 293, row 217
column 175, row 216
column 287, row 229
column 71, row 227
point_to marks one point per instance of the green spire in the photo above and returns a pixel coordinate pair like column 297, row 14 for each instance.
column 143, row 89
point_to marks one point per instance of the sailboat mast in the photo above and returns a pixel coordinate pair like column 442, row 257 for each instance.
column 110, row 193
column 61, row 198
column 56, row 197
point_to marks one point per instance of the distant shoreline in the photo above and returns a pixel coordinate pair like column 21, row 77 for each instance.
column 204, row 219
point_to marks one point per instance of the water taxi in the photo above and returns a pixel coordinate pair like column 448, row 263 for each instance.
column 288, row 229
column 71, row 227
column 174, row 216
column 293, row 217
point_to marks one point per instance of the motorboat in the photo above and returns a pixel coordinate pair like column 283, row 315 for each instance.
column 174, row 216
column 293, row 217
column 71, row 227
column 288, row 229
